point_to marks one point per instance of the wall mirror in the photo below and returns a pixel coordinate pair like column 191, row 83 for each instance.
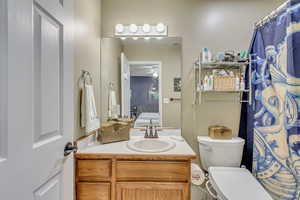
column 141, row 79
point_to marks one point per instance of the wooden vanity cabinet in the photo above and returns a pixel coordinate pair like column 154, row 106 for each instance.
column 132, row 177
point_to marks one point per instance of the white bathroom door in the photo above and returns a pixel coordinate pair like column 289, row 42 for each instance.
column 125, row 86
column 36, row 99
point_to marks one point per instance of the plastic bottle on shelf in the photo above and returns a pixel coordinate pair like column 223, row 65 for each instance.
column 200, row 86
column 205, row 84
column 211, row 82
column 206, row 55
column 237, row 83
column 242, row 84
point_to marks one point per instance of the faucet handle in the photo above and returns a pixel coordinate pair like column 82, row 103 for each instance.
column 156, row 132
column 146, row 132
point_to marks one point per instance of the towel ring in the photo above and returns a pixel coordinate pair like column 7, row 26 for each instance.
column 86, row 76
column 111, row 86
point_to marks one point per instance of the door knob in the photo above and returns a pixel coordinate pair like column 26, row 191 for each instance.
column 70, row 148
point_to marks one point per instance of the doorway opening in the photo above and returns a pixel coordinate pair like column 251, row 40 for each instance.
column 146, row 92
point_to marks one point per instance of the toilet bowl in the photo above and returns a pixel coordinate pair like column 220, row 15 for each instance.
column 222, row 160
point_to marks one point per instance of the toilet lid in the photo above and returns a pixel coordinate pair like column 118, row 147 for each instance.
column 232, row 141
column 236, row 184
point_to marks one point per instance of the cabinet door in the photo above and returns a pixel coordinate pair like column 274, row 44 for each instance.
column 93, row 191
column 152, row 191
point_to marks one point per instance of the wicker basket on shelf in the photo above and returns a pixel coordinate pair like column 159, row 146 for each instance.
column 224, row 83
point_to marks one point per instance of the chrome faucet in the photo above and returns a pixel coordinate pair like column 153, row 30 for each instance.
column 151, row 129
column 151, row 134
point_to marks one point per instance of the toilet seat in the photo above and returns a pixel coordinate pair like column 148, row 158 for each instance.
column 233, row 183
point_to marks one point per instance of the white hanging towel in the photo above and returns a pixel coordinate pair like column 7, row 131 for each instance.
column 82, row 106
column 112, row 104
column 92, row 121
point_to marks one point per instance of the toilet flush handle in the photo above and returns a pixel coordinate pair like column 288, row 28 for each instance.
column 205, row 146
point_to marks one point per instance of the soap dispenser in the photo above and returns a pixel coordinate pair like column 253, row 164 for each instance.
column 206, row 83
column 206, row 55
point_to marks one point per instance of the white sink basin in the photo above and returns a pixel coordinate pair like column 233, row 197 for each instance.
column 151, row 145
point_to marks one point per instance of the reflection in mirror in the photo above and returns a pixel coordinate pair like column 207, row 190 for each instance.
column 141, row 79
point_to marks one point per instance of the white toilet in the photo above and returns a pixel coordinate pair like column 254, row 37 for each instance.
column 222, row 160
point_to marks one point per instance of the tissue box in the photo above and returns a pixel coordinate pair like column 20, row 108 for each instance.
column 219, row 132
column 113, row 131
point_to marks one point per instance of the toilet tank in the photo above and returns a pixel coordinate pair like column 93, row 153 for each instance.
column 222, row 153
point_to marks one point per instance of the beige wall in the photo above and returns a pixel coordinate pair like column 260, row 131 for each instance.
column 111, row 49
column 219, row 25
column 87, row 50
column 170, row 56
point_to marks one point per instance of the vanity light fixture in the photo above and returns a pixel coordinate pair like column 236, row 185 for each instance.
column 141, row 31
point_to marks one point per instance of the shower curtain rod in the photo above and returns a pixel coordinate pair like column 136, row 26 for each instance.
column 272, row 14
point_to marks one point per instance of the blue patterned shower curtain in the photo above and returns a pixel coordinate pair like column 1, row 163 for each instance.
column 275, row 109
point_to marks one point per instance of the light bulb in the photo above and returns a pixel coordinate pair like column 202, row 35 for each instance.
column 135, row 38
column 133, row 28
column 146, row 28
column 155, row 75
column 147, row 38
column 119, row 28
column 160, row 27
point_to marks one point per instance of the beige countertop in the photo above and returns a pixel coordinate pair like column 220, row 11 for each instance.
column 182, row 148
